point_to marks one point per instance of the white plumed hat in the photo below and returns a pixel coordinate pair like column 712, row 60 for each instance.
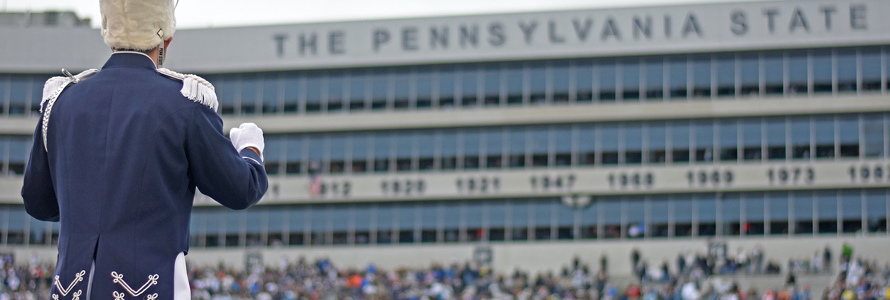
column 137, row 24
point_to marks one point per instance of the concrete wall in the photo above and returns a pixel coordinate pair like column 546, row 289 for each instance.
column 534, row 257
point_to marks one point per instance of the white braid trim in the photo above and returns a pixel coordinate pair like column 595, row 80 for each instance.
column 56, row 86
column 194, row 87
column 55, row 83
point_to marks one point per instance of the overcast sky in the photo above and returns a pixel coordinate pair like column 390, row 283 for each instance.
column 224, row 13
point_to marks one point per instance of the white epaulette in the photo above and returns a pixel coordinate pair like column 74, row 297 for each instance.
column 51, row 91
column 194, row 87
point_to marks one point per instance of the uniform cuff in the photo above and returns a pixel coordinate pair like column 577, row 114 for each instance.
column 251, row 156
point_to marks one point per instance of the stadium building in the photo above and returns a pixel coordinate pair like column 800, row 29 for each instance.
column 522, row 139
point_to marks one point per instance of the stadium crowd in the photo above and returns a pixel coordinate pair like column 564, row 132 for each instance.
column 694, row 277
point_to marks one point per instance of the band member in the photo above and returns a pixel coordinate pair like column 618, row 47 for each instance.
column 118, row 154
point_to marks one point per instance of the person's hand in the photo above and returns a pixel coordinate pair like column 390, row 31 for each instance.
column 248, row 135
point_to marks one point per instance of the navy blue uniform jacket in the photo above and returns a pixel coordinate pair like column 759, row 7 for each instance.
column 125, row 151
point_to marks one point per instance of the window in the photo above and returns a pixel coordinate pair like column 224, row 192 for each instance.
column 873, row 132
column 360, row 215
column 517, row 140
column 401, row 89
column 876, row 202
column 298, row 222
column 797, row 73
column 775, row 138
column 826, row 211
column 472, row 146
column 607, row 81
column 851, row 211
column 514, row 85
column 537, row 84
column 800, row 137
column 19, row 147
column 276, row 224
column 701, row 80
column 476, row 215
column 751, row 139
column 822, row 66
column 704, row 141
column 824, row 132
column 728, row 133
column 726, row 76
column 635, row 211
column 429, row 222
column 659, row 215
column 587, row 145
column 448, row 147
column 426, row 150
column 314, row 86
column 492, row 86
column 654, row 79
column 424, row 89
column 612, row 215
column 315, row 146
column 680, row 141
column 610, row 137
column 707, row 215
column 590, row 216
column 848, row 132
column 584, row 82
column 292, row 89
column 749, row 71
column 678, row 78
column 773, row 74
column 357, row 90
column 271, row 84
column 542, row 213
column 380, row 90
column 539, row 141
column 561, row 78
column 250, row 93
column 4, row 89
column 846, row 70
column 382, row 147
column 336, row 87
column 778, row 213
column 562, row 138
column 871, row 69
column 294, row 159
column 633, row 143
column 469, row 81
column 446, row 87
column 272, row 155
column 337, row 154
column 656, row 134
column 803, row 213
column 361, row 143
column 404, row 148
column 630, row 80
column 520, row 220
column 754, row 214
column 387, row 222
column 226, row 87
column 682, row 210
column 494, row 148
column 730, row 213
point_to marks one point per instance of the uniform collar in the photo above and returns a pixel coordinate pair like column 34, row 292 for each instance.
column 130, row 59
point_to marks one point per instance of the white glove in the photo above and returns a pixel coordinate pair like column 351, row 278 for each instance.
column 247, row 135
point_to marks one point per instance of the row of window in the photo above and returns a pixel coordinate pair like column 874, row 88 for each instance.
column 625, row 79
column 616, row 143
column 629, row 217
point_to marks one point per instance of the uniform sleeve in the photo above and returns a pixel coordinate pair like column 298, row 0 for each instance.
column 38, row 191
column 235, row 180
